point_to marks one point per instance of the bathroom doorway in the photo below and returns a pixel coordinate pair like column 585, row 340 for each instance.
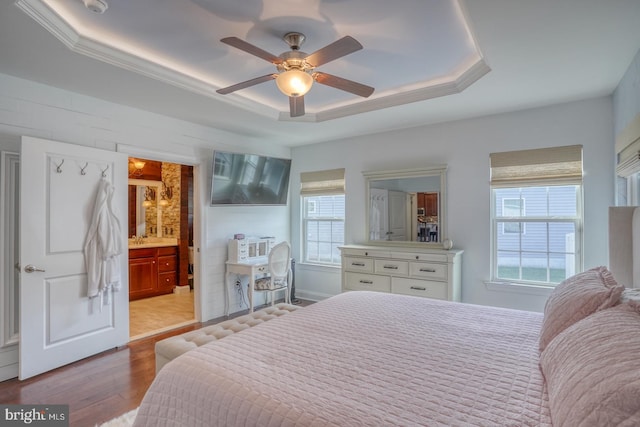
column 161, row 259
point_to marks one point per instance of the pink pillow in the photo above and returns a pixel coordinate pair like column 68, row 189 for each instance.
column 592, row 370
column 576, row 298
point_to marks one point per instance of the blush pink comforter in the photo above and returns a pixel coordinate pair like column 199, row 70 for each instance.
column 361, row 359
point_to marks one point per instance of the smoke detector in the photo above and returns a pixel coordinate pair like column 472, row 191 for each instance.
column 97, row 6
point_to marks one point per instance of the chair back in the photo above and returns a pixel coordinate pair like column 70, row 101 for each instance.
column 280, row 260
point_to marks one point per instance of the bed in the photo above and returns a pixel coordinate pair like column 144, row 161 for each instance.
column 376, row 359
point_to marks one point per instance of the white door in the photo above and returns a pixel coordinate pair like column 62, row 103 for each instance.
column 59, row 324
column 397, row 215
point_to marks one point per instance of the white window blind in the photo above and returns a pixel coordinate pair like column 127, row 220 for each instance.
column 628, row 149
column 555, row 165
column 629, row 166
column 322, row 182
column 629, row 160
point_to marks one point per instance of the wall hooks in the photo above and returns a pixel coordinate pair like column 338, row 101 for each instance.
column 83, row 169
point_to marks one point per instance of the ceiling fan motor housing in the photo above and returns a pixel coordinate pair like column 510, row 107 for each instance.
column 294, row 60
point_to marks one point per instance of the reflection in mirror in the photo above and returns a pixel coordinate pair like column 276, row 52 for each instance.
column 146, row 220
column 406, row 205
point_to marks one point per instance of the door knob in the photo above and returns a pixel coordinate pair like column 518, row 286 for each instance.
column 32, row 269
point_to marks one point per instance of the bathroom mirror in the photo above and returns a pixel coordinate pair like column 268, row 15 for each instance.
column 406, row 206
column 145, row 214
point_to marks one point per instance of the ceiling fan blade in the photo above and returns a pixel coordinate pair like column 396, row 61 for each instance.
column 248, row 83
column 335, row 50
column 343, row 84
column 253, row 50
column 296, row 106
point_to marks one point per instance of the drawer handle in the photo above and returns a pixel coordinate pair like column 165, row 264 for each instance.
column 391, row 267
column 428, row 270
column 358, row 264
column 366, row 282
column 418, row 288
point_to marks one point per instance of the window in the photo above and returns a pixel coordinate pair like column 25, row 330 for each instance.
column 536, row 215
column 323, row 228
column 323, row 213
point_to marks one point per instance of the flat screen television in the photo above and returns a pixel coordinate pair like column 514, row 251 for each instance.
column 249, row 179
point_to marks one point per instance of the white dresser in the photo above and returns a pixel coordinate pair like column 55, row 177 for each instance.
column 409, row 270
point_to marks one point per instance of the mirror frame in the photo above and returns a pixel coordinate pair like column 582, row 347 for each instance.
column 158, row 187
column 431, row 170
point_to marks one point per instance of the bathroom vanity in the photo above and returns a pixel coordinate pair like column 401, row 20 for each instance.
column 152, row 269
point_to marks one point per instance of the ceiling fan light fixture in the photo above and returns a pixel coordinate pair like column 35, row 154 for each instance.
column 294, row 82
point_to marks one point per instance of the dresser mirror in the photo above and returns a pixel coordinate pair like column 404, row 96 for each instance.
column 406, row 206
column 145, row 213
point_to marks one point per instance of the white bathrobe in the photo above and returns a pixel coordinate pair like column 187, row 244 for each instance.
column 103, row 245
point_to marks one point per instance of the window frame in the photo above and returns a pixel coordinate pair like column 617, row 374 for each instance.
column 578, row 221
column 305, row 228
column 633, row 189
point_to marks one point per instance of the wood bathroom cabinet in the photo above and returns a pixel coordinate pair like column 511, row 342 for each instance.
column 152, row 271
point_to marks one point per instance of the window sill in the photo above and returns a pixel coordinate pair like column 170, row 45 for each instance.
column 318, row 267
column 519, row 288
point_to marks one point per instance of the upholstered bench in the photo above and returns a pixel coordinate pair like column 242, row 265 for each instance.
column 170, row 348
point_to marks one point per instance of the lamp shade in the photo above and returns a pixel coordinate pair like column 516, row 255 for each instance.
column 294, row 82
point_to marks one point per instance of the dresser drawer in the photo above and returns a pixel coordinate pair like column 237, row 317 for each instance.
column 393, row 267
column 419, row 256
column 364, row 265
column 367, row 282
column 428, row 270
column 365, row 252
column 419, row 288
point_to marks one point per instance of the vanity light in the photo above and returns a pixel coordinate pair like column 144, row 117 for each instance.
column 136, row 170
column 149, row 197
column 165, row 195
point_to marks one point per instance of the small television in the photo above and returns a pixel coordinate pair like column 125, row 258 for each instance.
column 249, row 179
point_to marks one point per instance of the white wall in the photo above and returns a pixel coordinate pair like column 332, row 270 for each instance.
column 465, row 146
column 33, row 109
column 626, row 98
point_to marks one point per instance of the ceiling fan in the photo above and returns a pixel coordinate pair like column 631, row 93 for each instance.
column 296, row 69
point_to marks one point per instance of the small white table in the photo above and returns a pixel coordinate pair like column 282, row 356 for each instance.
column 248, row 268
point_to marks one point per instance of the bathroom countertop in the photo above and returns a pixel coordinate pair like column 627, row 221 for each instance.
column 157, row 242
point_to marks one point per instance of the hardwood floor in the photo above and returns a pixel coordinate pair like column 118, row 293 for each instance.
column 100, row 387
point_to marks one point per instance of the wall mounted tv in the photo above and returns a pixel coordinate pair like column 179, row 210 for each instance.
column 249, row 179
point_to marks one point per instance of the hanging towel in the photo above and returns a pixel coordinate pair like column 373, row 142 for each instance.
column 103, row 245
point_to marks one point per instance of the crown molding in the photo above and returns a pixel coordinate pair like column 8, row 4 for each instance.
column 77, row 42
column 464, row 80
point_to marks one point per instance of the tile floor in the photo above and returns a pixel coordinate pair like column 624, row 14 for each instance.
column 153, row 315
